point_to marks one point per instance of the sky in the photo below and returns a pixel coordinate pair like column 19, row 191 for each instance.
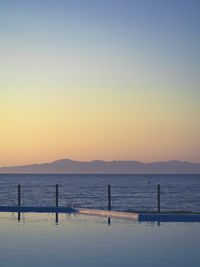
column 109, row 80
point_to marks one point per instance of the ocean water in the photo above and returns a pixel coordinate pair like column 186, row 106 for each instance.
column 128, row 192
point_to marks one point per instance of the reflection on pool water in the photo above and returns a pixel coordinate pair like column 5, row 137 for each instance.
column 33, row 239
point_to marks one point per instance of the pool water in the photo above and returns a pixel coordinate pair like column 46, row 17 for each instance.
column 82, row 240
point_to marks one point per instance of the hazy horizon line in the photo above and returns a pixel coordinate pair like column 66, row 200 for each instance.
column 99, row 160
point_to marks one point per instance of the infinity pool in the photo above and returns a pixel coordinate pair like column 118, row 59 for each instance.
column 33, row 239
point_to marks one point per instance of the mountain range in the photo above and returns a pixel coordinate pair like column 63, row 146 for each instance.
column 99, row 166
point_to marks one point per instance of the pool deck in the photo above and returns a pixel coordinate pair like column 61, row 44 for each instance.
column 145, row 217
column 37, row 209
column 140, row 216
column 169, row 217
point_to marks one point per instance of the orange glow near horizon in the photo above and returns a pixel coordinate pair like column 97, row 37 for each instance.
column 39, row 130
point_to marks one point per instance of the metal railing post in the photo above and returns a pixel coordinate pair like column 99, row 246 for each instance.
column 158, row 197
column 109, row 197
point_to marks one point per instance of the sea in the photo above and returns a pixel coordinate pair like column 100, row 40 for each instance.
column 129, row 192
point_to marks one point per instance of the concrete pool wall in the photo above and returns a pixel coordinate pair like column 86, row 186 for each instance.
column 161, row 217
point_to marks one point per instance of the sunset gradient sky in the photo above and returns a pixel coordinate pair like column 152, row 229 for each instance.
column 114, row 79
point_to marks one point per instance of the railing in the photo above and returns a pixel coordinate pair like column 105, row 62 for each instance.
column 123, row 198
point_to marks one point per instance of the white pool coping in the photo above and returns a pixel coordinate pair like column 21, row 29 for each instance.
column 107, row 213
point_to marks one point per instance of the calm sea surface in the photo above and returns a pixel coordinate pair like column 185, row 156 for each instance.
column 129, row 192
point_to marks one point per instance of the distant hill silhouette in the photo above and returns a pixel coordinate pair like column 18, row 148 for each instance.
column 98, row 166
